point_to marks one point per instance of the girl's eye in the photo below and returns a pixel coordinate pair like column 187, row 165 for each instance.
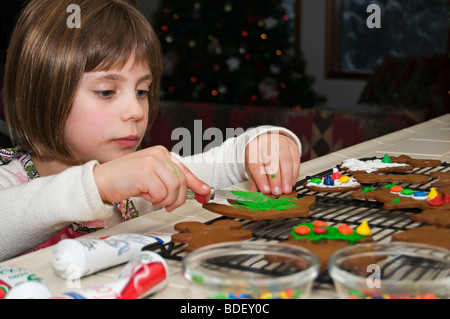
column 105, row 94
column 141, row 94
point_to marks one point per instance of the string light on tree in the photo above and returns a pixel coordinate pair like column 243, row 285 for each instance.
column 233, row 51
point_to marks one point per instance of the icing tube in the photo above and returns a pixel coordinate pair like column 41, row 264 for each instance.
column 19, row 283
column 143, row 275
column 109, row 290
column 76, row 258
column 147, row 274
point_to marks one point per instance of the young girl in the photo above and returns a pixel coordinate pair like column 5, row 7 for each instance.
column 79, row 101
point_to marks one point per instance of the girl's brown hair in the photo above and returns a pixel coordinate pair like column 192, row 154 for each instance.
column 47, row 58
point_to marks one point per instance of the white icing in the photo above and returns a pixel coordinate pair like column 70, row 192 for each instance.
column 352, row 182
column 369, row 166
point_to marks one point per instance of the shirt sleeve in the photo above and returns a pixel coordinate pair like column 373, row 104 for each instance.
column 35, row 211
column 224, row 165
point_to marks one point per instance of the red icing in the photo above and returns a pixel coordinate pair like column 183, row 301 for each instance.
column 436, row 201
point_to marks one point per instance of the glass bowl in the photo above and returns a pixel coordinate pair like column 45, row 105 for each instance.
column 391, row 271
column 250, row 270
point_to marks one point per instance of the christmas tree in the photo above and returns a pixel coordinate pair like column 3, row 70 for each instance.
column 232, row 51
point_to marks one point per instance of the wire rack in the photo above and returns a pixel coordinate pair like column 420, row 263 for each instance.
column 333, row 208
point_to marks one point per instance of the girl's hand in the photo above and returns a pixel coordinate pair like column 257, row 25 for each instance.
column 273, row 163
column 151, row 173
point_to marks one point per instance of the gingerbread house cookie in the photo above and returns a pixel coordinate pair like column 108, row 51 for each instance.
column 268, row 208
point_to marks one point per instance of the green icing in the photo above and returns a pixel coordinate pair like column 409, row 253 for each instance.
column 257, row 201
column 390, row 185
column 332, row 233
column 396, row 200
column 367, row 189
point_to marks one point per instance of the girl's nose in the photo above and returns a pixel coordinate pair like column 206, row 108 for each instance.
column 134, row 108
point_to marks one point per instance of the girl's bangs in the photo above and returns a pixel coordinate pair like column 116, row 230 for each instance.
column 113, row 44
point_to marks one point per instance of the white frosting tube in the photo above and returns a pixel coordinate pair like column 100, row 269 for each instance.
column 76, row 258
column 19, row 283
column 145, row 274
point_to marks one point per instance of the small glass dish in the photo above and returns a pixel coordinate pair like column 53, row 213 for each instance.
column 391, row 271
column 250, row 270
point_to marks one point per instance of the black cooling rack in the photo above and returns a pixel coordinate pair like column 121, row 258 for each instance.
column 334, row 208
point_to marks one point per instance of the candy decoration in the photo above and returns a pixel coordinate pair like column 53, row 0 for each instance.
column 396, row 189
column 419, row 195
column 319, row 223
column 302, row 230
column 406, row 192
column 320, row 230
column 336, row 175
column 433, row 193
column 395, row 200
column 386, row 159
column 316, row 180
column 356, row 294
column 345, row 229
column 446, row 198
column 436, row 201
column 344, row 179
column 363, row 229
column 328, row 181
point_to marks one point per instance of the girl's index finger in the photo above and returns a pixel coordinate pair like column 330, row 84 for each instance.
column 198, row 186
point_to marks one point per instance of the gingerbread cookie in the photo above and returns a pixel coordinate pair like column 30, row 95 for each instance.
column 324, row 240
column 355, row 166
column 436, row 217
column 395, row 197
column 286, row 206
column 196, row 234
column 333, row 183
column 443, row 179
column 415, row 162
column 371, row 178
column 431, row 235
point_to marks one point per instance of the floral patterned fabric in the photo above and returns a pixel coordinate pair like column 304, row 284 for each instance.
column 76, row 229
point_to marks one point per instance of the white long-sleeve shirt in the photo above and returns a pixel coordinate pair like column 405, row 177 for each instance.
column 34, row 211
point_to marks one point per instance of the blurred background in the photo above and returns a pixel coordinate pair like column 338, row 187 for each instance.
column 336, row 72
